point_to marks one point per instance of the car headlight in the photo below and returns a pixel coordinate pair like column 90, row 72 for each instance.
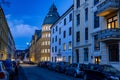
column 114, row 77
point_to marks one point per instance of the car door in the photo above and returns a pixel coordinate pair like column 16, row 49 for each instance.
column 5, row 72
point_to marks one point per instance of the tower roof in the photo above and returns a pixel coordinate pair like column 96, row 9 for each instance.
column 51, row 16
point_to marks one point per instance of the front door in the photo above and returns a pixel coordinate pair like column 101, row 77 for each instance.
column 97, row 60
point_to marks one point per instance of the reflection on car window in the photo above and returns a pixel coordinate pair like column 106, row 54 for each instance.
column 110, row 69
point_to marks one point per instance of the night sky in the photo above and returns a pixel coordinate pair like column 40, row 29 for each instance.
column 24, row 16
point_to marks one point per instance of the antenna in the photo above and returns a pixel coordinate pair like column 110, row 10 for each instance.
column 4, row 2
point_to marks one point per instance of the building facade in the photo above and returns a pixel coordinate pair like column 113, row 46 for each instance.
column 41, row 47
column 7, row 45
column 97, row 32
column 61, row 38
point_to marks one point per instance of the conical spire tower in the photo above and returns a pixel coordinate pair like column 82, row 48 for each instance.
column 51, row 16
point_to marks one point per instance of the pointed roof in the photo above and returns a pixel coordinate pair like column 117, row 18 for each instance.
column 51, row 16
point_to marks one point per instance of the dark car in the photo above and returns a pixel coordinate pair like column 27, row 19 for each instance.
column 52, row 66
column 75, row 69
column 101, row 72
column 9, row 67
column 61, row 66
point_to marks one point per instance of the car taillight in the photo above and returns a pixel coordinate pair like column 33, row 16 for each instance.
column 2, row 75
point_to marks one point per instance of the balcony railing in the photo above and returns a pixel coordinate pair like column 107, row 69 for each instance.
column 107, row 6
column 109, row 34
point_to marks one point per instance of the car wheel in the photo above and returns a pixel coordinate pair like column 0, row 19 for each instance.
column 75, row 74
column 85, row 77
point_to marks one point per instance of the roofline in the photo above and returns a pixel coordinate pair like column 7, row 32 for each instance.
column 64, row 14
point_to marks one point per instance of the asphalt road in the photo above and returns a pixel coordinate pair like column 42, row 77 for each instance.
column 32, row 72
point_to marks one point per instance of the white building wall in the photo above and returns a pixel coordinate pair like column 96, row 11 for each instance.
column 60, row 24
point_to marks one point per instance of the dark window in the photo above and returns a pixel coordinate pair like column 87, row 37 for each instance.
column 78, row 19
column 86, row 33
column 59, row 41
column 70, row 31
column 96, row 43
column 56, row 38
column 96, row 1
column 70, row 17
column 59, row 30
column 114, row 52
column 55, row 48
column 52, row 40
column 64, row 34
column 0, row 46
column 85, row 54
column 52, row 49
column 56, row 28
column 96, row 20
column 77, row 55
column 65, row 21
column 78, row 36
column 78, row 3
column 86, row 14
column 53, row 30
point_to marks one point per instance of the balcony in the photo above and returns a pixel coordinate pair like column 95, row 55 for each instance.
column 109, row 34
column 107, row 6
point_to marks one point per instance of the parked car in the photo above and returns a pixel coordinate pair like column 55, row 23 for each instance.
column 75, row 69
column 61, row 66
column 101, row 72
column 9, row 67
column 4, row 75
column 52, row 66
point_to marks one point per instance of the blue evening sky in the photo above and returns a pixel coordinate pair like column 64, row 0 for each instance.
column 24, row 16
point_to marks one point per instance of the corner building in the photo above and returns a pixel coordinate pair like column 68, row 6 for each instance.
column 97, row 32
column 40, row 47
column 61, row 37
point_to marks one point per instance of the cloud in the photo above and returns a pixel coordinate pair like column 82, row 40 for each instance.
column 19, row 28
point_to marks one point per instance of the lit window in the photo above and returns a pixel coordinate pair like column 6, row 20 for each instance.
column 112, row 22
column 70, row 45
column 64, row 46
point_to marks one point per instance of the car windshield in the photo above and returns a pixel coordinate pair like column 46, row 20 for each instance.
column 110, row 69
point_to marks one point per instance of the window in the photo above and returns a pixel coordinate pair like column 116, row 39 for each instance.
column 48, row 42
column 70, row 45
column 70, row 17
column 96, row 43
column 52, row 40
column 86, row 14
column 45, row 50
column 113, row 52
column 112, row 22
column 0, row 45
column 0, row 20
column 56, row 38
column 64, row 46
column 59, row 30
column 78, row 3
column 52, row 49
column 59, row 41
column 78, row 19
column 65, row 21
column 56, row 28
column 64, row 34
column 70, row 31
column 48, row 50
column 53, row 30
column 96, row 1
column 96, row 20
column 86, row 33
column 85, row 54
column 78, row 36
column 55, row 48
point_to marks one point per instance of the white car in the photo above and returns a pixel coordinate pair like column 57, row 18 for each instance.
column 4, row 75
